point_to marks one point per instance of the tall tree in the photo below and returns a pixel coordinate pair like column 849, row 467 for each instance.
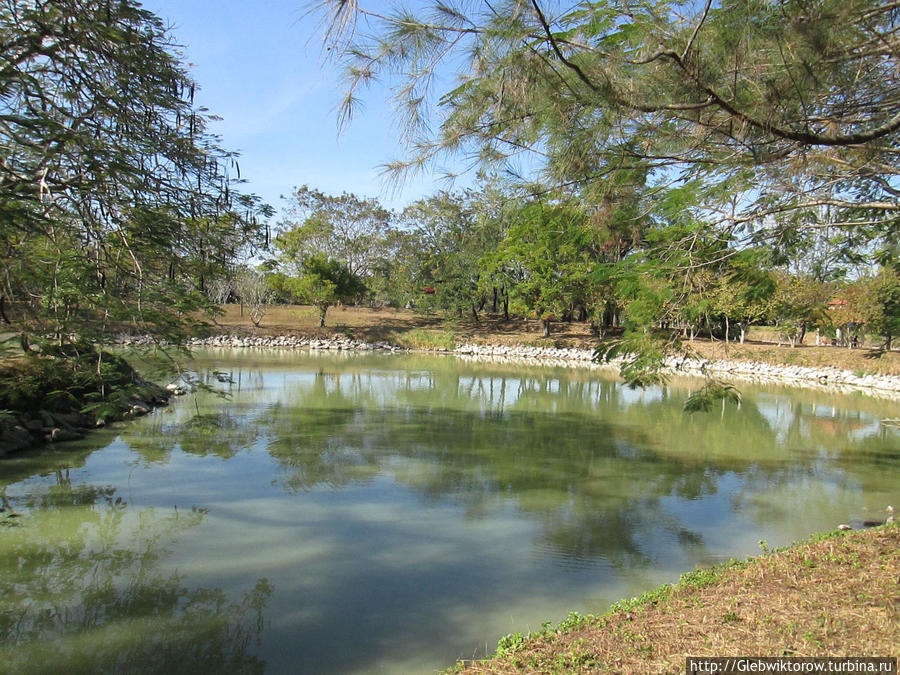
column 451, row 246
column 873, row 303
column 320, row 281
column 799, row 303
column 546, row 251
column 114, row 199
column 347, row 228
column 778, row 108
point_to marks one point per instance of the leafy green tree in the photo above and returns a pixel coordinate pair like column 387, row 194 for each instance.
column 799, row 303
column 115, row 202
column 776, row 109
column 346, row 228
column 547, row 252
column 885, row 317
column 452, row 243
column 649, row 302
column 744, row 291
column 322, row 282
column 396, row 277
column 874, row 302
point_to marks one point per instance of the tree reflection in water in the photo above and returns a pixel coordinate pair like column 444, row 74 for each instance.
column 83, row 591
column 590, row 460
column 425, row 488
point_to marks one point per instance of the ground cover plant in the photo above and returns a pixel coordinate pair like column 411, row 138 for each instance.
column 835, row 595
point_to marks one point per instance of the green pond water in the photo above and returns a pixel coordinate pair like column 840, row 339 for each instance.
column 376, row 513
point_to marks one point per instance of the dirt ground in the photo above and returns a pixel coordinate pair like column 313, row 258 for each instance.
column 411, row 329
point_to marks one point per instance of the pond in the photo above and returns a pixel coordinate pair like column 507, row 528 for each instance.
column 343, row 513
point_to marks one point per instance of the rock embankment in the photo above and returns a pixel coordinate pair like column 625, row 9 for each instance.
column 40, row 419
column 824, row 377
column 24, row 430
column 740, row 370
column 336, row 343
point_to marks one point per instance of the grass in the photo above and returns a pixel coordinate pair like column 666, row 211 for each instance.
column 833, row 595
column 430, row 331
column 420, row 338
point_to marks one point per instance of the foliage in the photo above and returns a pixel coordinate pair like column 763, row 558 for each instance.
column 643, row 357
column 115, row 203
column 712, row 392
column 450, row 245
column 707, row 144
column 346, row 228
column 396, row 279
column 874, row 302
column 75, row 377
column 323, row 282
column 799, row 302
column 884, row 315
column 744, row 292
column 733, row 94
column 545, row 251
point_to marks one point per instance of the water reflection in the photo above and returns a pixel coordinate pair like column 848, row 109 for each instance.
column 593, row 462
column 83, row 590
column 428, row 503
column 582, row 457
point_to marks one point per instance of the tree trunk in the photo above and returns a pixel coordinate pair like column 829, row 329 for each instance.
column 506, row 307
column 475, row 313
column 545, row 328
column 322, row 312
column 802, row 333
column 494, row 304
column 727, row 331
column 743, row 328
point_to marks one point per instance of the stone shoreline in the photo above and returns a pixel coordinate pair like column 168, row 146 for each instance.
column 31, row 428
column 818, row 378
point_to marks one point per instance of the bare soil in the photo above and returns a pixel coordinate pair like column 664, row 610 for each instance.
column 409, row 328
column 839, row 596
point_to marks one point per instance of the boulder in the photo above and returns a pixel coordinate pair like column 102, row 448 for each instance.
column 59, row 435
column 14, row 438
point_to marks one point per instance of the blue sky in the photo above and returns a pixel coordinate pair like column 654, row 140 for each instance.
column 260, row 67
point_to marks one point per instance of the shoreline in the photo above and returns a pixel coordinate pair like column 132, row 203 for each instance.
column 26, row 429
column 774, row 604
column 821, row 378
